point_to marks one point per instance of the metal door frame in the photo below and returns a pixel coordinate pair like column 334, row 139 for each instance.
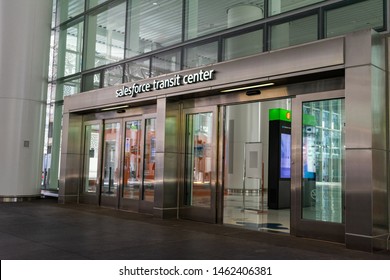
column 192, row 212
column 107, row 201
column 127, row 203
column 301, row 227
column 84, row 197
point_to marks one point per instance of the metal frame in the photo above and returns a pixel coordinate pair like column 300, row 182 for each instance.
column 84, row 197
column 266, row 23
column 301, row 227
column 193, row 212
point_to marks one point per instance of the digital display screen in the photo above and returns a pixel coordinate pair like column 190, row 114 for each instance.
column 285, row 156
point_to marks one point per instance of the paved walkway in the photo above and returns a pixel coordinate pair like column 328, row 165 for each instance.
column 45, row 230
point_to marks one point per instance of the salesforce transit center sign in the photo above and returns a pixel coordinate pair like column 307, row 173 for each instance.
column 177, row 80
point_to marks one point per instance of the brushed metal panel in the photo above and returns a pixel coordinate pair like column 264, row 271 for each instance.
column 159, row 180
column 358, row 48
column 358, row 191
column 358, row 116
column 160, row 124
column 70, row 182
column 380, row 192
column 378, row 108
column 172, row 122
column 170, row 184
column 75, row 134
column 378, row 51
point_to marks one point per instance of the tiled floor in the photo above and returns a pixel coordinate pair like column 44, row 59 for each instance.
column 45, row 230
column 250, row 211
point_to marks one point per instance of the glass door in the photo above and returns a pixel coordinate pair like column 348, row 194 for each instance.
column 149, row 166
column 132, row 164
column 200, row 145
column 111, row 167
column 91, row 162
column 318, row 180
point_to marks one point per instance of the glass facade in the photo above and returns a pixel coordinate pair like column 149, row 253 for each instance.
column 294, row 32
column 281, row 6
column 101, row 43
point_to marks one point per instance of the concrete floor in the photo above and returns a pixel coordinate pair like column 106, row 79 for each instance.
column 45, row 230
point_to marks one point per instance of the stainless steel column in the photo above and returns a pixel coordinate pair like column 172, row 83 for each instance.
column 167, row 156
column 24, row 55
column 366, row 167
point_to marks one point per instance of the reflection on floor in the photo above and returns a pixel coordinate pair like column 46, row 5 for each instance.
column 249, row 210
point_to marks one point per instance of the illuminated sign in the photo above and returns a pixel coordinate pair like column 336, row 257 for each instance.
column 175, row 81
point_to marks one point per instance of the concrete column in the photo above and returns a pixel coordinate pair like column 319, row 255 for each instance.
column 366, row 168
column 24, row 57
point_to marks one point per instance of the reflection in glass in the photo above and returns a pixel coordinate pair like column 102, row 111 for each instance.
column 69, row 9
column 243, row 45
column 322, row 157
column 132, row 161
column 361, row 15
column 205, row 16
column 137, row 70
column 153, row 25
column 93, row 3
column 70, row 46
column 199, row 128
column 149, row 160
column 111, row 170
column 91, row 81
column 113, row 76
column 281, row 6
column 67, row 87
column 106, row 36
column 201, row 55
column 91, row 157
column 165, row 63
column 294, row 32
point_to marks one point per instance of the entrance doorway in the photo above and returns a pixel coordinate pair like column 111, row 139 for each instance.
column 318, row 169
column 198, row 194
column 257, row 165
column 119, row 163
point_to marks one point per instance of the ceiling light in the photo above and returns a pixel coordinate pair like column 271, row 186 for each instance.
column 114, row 108
column 248, row 87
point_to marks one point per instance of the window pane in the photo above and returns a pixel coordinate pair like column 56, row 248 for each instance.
column 93, row 3
column 113, row 76
column 322, row 158
column 111, row 160
column 281, row 6
column 149, row 160
column 68, row 9
column 91, row 81
column 153, row 25
column 361, row 15
column 70, row 46
column 205, row 16
column 91, row 157
column 198, row 160
column 106, row 36
column 243, row 45
column 132, row 166
column 294, row 32
column 67, row 87
column 201, row 55
column 165, row 63
column 137, row 70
